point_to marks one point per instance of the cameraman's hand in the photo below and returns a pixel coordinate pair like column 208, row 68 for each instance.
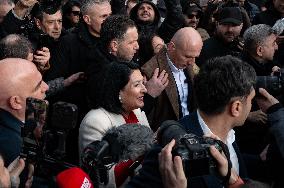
column 265, row 100
column 41, row 57
column 15, row 169
column 171, row 169
column 223, row 165
column 222, row 161
column 10, row 177
column 29, row 181
column 257, row 117
column 157, row 83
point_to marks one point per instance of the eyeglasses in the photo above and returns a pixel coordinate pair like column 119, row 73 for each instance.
column 190, row 16
column 76, row 13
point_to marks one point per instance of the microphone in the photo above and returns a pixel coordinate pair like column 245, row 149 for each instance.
column 278, row 27
column 73, row 178
column 128, row 141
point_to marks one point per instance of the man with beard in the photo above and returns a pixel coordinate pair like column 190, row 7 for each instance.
column 192, row 14
column 229, row 24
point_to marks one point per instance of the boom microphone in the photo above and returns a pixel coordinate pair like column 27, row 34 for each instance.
column 128, row 141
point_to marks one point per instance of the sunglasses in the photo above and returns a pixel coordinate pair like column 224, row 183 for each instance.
column 190, row 16
column 76, row 13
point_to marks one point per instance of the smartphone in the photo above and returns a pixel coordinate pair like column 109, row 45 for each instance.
column 42, row 41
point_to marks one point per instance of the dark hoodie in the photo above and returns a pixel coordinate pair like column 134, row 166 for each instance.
column 174, row 20
column 145, row 28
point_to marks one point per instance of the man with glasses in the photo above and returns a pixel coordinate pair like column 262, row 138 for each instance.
column 192, row 13
column 71, row 14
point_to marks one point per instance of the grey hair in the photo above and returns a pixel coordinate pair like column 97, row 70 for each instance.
column 87, row 4
column 15, row 46
column 255, row 36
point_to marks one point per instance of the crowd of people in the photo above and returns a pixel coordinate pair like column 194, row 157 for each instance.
column 195, row 62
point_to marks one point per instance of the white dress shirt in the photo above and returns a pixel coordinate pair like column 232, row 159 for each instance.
column 229, row 142
column 182, row 86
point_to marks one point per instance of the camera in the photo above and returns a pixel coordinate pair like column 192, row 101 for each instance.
column 193, row 150
column 273, row 84
column 44, row 143
column 195, row 154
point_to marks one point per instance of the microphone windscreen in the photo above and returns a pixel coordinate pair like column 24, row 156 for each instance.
column 134, row 140
column 73, row 178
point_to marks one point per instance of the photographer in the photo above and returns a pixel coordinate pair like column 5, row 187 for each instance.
column 14, row 76
column 173, row 175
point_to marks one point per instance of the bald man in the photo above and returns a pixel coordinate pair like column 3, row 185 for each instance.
column 19, row 79
column 177, row 58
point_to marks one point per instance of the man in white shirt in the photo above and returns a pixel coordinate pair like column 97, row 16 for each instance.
column 177, row 58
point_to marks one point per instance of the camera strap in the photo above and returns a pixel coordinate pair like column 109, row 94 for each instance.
column 225, row 179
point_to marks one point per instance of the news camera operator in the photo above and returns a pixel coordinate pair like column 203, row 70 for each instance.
column 224, row 90
column 14, row 76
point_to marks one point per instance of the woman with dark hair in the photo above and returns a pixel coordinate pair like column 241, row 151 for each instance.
column 117, row 102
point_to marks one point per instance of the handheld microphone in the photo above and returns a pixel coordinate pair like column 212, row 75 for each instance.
column 73, row 178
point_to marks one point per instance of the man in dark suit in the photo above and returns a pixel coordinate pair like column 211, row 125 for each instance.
column 224, row 90
column 177, row 59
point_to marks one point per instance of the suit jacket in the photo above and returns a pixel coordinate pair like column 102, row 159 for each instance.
column 149, row 176
column 166, row 106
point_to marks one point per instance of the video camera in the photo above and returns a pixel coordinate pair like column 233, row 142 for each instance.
column 272, row 84
column 193, row 150
column 44, row 145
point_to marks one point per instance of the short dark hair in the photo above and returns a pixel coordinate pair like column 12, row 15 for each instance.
column 15, row 46
column 40, row 11
column 67, row 8
column 105, row 91
column 219, row 80
column 115, row 27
